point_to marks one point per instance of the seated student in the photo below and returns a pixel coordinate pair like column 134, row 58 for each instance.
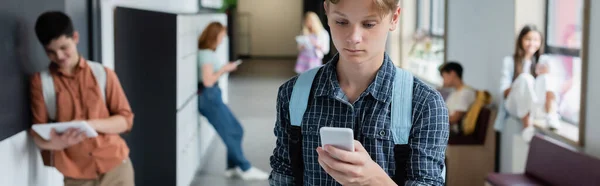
column 526, row 84
column 355, row 90
column 460, row 99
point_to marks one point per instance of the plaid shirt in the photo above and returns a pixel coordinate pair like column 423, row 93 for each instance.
column 369, row 117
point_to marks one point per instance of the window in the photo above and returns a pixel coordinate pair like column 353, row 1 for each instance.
column 430, row 17
column 437, row 18
column 563, row 44
column 427, row 51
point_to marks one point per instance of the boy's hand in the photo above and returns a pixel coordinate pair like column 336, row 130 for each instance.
column 68, row 138
column 352, row 168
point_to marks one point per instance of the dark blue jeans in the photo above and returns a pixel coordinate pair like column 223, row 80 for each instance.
column 211, row 106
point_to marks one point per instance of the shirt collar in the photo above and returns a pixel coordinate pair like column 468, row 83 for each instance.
column 82, row 64
column 381, row 88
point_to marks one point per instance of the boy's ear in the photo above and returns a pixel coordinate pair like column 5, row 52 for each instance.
column 395, row 18
column 76, row 37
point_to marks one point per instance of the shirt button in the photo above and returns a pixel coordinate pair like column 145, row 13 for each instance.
column 382, row 133
column 311, row 128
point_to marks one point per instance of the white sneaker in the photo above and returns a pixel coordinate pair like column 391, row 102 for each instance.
column 553, row 121
column 528, row 133
column 252, row 174
column 229, row 173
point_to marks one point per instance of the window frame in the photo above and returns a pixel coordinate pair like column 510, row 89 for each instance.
column 430, row 31
column 419, row 16
column 582, row 52
column 557, row 50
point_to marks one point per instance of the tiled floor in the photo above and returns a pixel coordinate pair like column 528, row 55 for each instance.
column 253, row 93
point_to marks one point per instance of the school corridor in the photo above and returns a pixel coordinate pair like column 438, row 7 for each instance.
column 516, row 79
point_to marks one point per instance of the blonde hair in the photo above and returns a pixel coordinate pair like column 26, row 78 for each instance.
column 208, row 38
column 384, row 7
column 317, row 26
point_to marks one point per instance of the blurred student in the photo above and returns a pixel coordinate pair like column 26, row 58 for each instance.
column 461, row 97
column 210, row 103
column 526, row 84
column 314, row 44
column 75, row 89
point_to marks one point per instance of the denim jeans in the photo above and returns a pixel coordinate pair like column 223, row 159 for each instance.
column 211, row 106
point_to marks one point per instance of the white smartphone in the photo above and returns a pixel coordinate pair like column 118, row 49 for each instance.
column 238, row 62
column 342, row 138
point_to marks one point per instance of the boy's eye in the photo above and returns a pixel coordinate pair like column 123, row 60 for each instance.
column 369, row 25
column 341, row 22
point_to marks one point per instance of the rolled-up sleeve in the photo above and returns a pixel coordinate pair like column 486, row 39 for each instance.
column 116, row 100
column 281, row 174
column 429, row 139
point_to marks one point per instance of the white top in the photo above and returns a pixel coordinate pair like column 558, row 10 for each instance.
column 508, row 68
column 324, row 41
column 460, row 100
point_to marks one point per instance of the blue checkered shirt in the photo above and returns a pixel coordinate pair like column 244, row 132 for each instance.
column 369, row 116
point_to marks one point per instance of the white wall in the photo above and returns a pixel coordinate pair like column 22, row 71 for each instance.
column 21, row 163
column 273, row 26
column 530, row 12
column 592, row 139
column 480, row 34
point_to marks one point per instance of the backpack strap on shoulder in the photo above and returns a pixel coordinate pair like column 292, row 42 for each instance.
column 100, row 75
column 402, row 122
column 300, row 96
column 49, row 93
column 402, row 106
column 298, row 104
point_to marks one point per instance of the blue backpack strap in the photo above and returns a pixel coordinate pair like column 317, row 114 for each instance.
column 298, row 104
column 401, row 122
column 300, row 96
column 402, row 119
column 402, row 106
